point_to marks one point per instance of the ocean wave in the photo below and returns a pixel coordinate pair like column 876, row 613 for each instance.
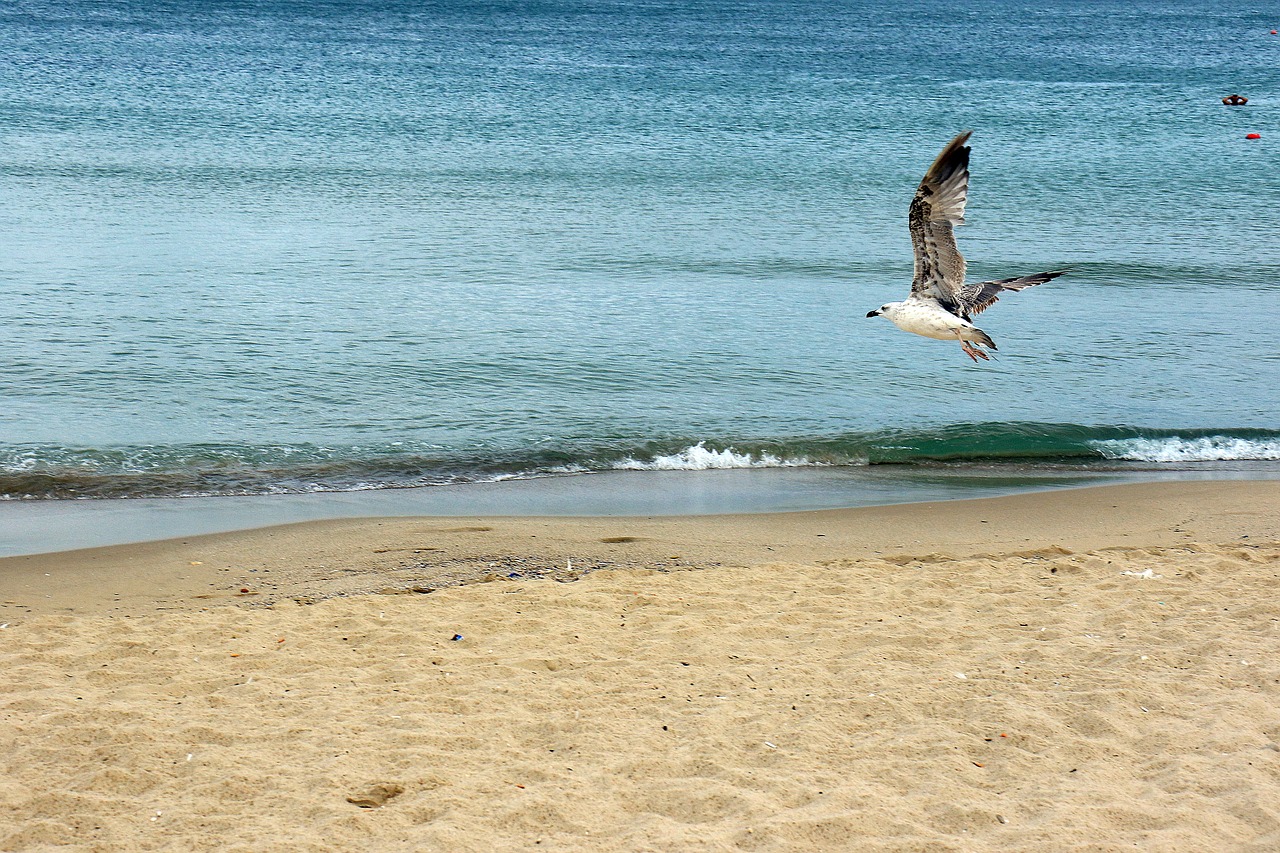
column 1175, row 449
column 57, row 472
column 699, row 457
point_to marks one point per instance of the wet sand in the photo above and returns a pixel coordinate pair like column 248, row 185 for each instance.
column 1087, row 669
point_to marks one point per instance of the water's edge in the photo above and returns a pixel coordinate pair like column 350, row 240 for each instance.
column 48, row 526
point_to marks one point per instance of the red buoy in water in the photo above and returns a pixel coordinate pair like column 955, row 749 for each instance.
column 1253, row 136
column 1273, row 32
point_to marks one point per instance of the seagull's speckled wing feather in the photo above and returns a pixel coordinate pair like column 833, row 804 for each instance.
column 978, row 296
column 938, row 206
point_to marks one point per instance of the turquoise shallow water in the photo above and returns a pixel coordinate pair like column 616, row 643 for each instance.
column 290, row 247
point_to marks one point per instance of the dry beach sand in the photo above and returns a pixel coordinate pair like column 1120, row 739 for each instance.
column 1091, row 669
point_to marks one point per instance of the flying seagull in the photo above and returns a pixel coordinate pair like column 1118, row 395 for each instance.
column 941, row 305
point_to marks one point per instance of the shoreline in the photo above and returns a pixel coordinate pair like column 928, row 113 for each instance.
column 50, row 526
column 1079, row 669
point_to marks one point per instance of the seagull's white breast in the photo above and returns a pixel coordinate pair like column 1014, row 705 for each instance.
column 928, row 318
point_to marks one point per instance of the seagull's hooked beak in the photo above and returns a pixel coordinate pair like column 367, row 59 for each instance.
column 875, row 313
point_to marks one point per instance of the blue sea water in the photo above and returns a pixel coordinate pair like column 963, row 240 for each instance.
column 307, row 246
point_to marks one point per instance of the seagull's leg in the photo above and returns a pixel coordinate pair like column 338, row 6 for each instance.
column 970, row 350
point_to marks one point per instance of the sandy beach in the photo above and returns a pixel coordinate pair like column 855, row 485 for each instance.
column 1087, row 669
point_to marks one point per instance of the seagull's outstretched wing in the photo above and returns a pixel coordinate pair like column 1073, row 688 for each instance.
column 937, row 207
column 976, row 297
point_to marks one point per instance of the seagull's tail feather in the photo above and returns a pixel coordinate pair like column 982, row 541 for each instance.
column 981, row 337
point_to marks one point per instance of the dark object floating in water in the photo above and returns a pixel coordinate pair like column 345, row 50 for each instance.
column 1235, row 100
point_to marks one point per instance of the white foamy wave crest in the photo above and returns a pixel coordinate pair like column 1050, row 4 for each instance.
column 701, row 458
column 1213, row 448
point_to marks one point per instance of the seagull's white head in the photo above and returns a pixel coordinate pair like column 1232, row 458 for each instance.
column 885, row 310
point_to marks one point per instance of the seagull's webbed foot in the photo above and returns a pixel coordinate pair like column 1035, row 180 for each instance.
column 973, row 352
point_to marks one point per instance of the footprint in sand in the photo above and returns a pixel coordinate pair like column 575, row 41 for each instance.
column 375, row 796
